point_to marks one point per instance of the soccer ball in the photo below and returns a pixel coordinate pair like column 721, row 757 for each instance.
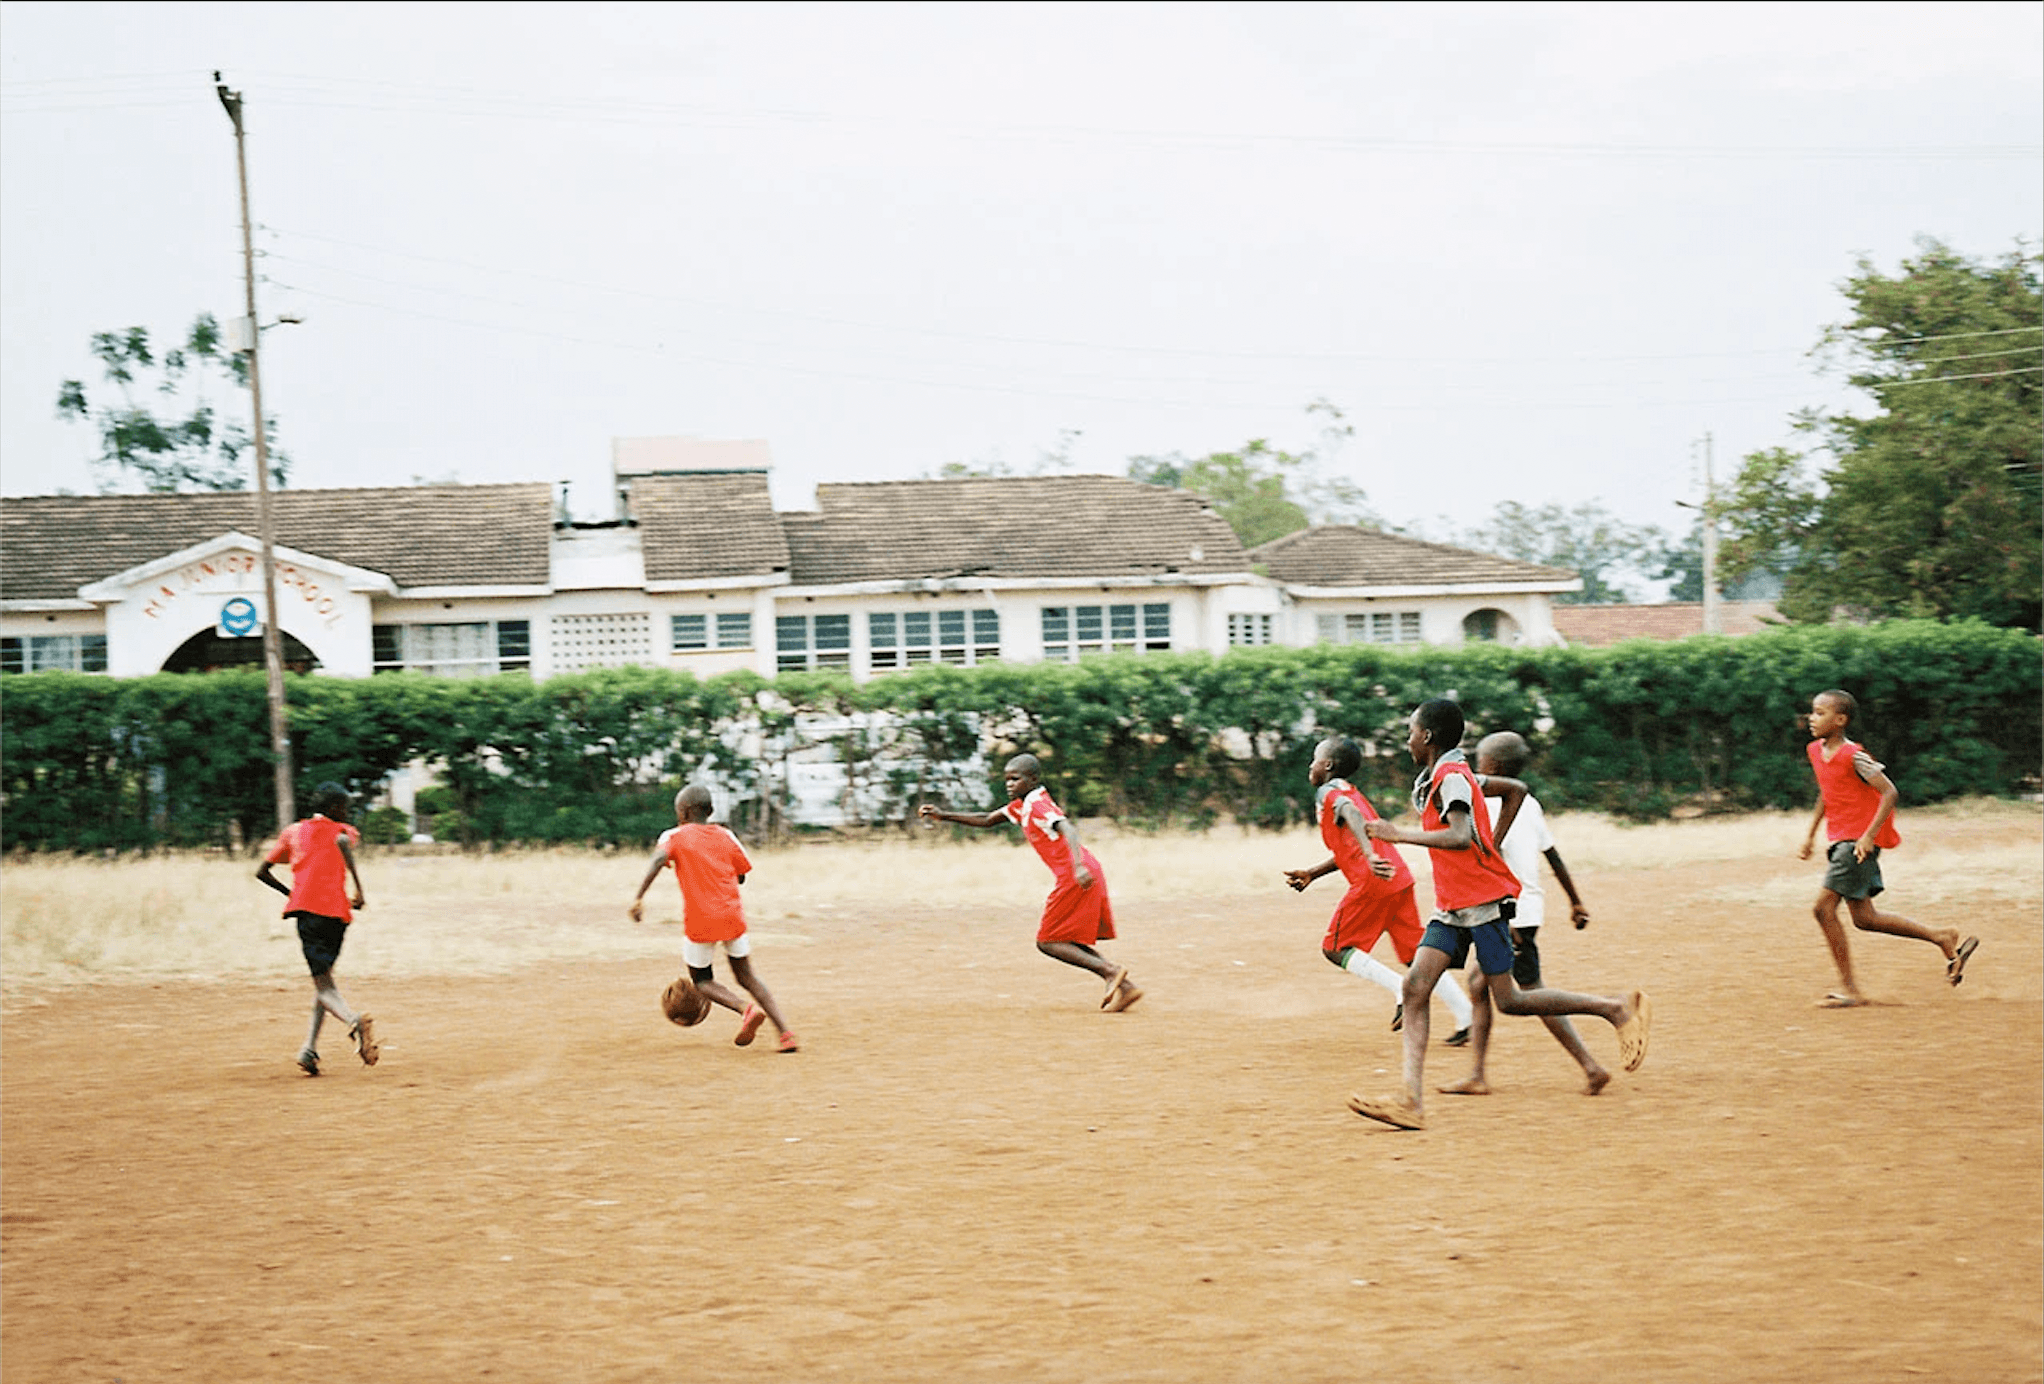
column 683, row 1004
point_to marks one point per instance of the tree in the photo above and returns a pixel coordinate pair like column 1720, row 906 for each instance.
column 1929, row 505
column 1588, row 539
column 1264, row 492
column 195, row 451
column 1681, row 565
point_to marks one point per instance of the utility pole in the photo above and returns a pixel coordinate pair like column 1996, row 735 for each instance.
column 273, row 636
column 1713, row 616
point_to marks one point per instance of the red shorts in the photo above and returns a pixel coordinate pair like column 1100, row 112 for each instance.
column 1365, row 913
column 1072, row 914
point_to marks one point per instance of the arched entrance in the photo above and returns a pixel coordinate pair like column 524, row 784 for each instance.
column 1490, row 626
column 207, row 651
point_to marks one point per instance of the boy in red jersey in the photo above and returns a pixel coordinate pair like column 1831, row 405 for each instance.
column 1380, row 891
column 1475, row 898
column 709, row 864
column 1077, row 914
column 1856, row 797
column 320, row 852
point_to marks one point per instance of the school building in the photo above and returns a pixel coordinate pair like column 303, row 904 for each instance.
column 698, row 570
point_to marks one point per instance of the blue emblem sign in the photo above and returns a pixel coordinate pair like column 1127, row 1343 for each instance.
column 238, row 618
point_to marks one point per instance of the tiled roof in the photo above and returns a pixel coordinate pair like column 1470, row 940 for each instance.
column 714, row 524
column 431, row 535
column 1344, row 555
column 1007, row 526
column 1593, row 626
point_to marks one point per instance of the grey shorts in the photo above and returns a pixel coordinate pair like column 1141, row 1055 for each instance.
column 1849, row 878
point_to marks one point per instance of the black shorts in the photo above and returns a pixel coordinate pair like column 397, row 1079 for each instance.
column 321, row 937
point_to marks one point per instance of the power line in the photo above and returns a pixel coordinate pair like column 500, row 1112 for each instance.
column 1947, row 379
column 997, row 338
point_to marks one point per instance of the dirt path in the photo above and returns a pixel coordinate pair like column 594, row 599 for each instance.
column 969, row 1173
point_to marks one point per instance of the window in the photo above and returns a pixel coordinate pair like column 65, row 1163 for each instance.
column 694, row 633
column 813, row 641
column 601, row 641
column 1070, row 632
column 1249, row 629
column 468, row 649
column 1369, row 627
column 42, row 653
column 901, row 639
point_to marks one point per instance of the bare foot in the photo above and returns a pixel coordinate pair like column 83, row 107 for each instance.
column 1843, row 999
column 1468, row 1086
column 1595, row 1081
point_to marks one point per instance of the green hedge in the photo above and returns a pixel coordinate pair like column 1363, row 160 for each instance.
column 88, row 762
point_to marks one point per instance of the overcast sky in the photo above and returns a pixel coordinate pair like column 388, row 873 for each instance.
column 1532, row 252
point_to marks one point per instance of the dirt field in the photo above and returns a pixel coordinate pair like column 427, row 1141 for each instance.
column 970, row 1173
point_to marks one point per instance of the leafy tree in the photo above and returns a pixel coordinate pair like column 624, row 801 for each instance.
column 187, row 448
column 1587, row 539
column 1265, row 492
column 1928, row 506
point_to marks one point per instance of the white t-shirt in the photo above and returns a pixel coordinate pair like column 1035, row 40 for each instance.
column 1522, row 848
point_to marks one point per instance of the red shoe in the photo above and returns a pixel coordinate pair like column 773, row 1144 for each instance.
column 787, row 1044
column 748, row 1026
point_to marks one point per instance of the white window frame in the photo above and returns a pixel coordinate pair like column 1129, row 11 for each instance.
column 1250, row 628
column 1122, row 627
column 798, row 643
column 966, row 637
column 1369, row 627
column 510, row 642
column 722, row 629
column 47, row 653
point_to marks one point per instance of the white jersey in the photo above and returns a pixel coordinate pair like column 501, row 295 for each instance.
column 1523, row 846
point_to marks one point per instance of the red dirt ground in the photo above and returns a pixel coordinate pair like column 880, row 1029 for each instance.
column 969, row 1173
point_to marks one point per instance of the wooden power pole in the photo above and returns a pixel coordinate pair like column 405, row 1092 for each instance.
column 273, row 635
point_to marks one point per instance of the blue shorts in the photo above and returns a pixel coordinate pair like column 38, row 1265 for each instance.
column 321, row 938
column 1492, row 940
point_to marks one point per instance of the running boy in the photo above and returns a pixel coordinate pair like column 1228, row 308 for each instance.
column 1856, row 797
column 1380, row 890
column 709, row 864
column 320, row 852
column 1504, row 753
column 1077, row 914
column 1475, row 895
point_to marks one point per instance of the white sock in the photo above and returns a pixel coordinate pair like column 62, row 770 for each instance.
column 1449, row 992
column 312, row 1034
column 1361, row 963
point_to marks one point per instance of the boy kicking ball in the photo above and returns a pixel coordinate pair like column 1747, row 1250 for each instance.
column 709, row 864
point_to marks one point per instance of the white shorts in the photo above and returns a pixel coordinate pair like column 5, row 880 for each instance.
column 694, row 953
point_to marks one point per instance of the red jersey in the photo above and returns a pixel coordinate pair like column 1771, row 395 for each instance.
column 1477, row 874
column 319, row 876
column 1850, row 802
column 1036, row 814
column 1348, row 852
column 708, row 862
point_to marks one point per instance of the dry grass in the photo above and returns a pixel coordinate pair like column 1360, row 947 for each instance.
column 67, row 920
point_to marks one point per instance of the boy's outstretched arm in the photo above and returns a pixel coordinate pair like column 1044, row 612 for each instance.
column 1458, row 835
column 1576, row 912
column 653, row 869
column 1299, row 879
column 348, row 855
column 931, row 813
